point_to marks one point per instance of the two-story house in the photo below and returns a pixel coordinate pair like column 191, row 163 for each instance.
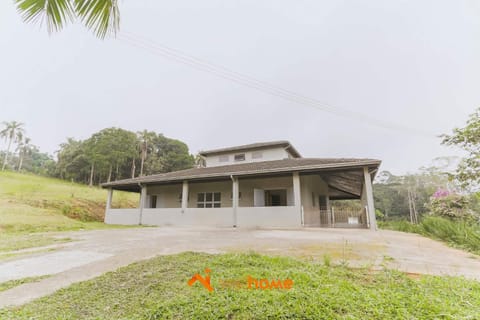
column 257, row 185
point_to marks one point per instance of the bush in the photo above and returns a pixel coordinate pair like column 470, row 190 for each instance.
column 458, row 233
column 379, row 214
column 452, row 206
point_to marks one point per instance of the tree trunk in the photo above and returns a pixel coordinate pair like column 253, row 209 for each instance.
column 21, row 162
column 91, row 175
column 109, row 174
column 141, row 163
column 133, row 168
column 117, row 176
column 5, row 159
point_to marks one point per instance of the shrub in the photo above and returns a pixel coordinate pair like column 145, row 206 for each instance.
column 452, row 206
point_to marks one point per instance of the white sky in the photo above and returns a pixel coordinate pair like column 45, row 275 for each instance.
column 413, row 63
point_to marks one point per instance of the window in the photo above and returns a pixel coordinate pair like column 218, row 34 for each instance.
column 209, row 200
column 224, row 158
column 153, row 201
column 239, row 157
column 257, row 155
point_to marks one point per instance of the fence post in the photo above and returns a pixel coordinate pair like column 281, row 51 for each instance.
column 333, row 217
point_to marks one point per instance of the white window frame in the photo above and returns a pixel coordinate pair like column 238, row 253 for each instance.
column 209, row 203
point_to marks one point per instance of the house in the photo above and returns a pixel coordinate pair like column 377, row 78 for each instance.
column 257, row 185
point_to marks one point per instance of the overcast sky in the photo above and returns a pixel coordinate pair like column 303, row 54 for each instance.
column 411, row 63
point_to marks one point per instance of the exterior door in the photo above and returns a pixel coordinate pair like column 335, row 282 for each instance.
column 258, row 198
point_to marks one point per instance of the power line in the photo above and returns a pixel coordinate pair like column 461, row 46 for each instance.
column 265, row 87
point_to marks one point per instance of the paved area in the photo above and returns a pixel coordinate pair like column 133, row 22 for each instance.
column 95, row 252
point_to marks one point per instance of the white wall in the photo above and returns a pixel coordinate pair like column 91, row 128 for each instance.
column 269, row 217
column 259, row 217
column 311, row 188
column 267, row 155
column 247, row 186
column 122, row 216
column 167, row 195
column 216, row 217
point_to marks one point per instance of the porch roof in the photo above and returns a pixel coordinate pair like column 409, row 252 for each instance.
column 247, row 169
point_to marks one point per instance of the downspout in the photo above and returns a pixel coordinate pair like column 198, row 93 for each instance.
column 234, row 203
column 141, row 204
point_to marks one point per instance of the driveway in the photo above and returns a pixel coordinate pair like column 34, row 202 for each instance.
column 96, row 252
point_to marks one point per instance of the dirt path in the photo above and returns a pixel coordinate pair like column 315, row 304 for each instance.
column 96, row 252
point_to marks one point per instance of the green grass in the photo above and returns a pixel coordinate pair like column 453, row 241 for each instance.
column 13, row 283
column 458, row 234
column 157, row 289
column 33, row 204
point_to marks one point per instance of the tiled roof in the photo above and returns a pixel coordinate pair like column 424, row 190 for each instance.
column 251, row 168
column 252, row 146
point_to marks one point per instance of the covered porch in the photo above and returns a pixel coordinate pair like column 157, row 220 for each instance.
column 291, row 199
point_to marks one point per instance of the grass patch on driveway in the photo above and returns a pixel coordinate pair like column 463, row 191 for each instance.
column 157, row 289
column 13, row 242
column 13, row 283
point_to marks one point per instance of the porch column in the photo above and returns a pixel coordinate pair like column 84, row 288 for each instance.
column 368, row 194
column 109, row 198
column 297, row 202
column 143, row 200
column 235, row 189
column 184, row 196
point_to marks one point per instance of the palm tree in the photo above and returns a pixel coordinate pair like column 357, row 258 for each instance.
column 12, row 132
column 24, row 148
column 145, row 138
column 101, row 16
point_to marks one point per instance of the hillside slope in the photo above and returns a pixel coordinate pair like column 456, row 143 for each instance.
column 30, row 203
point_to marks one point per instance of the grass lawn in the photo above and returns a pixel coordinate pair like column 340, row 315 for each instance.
column 32, row 204
column 157, row 289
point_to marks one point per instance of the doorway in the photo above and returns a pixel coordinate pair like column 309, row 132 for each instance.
column 275, row 198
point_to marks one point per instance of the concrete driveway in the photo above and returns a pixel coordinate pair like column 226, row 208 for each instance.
column 95, row 252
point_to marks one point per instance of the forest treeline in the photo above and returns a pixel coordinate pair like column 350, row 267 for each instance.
column 107, row 155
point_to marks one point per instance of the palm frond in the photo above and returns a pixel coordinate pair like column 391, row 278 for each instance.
column 103, row 16
column 55, row 13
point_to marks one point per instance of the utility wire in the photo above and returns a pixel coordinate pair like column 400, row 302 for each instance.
column 245, row 80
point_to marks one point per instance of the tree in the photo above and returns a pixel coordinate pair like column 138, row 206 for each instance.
column 146, row 139
column 101, row 16
column 24, row 148
column 113, row 153
column 468, row 139
column 12, row 132
column 72, row 161
column 168, row 155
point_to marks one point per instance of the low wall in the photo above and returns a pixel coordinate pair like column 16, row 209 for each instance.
column 247, row 217
column 269, row 217
column 122, row 216
column 216, row 217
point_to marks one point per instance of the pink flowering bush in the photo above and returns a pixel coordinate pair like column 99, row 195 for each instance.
column 450, row 205
column 440, row 193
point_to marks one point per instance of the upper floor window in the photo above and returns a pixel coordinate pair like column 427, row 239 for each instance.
column 257, row 155
column 239, row 157
column 224, row 158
